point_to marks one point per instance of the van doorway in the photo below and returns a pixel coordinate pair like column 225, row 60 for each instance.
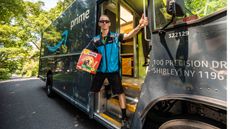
column 123, row 20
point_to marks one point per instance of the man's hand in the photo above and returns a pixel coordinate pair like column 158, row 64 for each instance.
column 143, row 21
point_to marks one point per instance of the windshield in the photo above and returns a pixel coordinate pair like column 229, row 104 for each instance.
column 192, row 9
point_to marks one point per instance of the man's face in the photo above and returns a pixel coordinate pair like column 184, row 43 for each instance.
column 104, row 22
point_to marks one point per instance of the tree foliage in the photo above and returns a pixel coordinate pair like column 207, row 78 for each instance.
column 10, row 9
column 205, row 7
column 197, row 8
column 10, row 60
column 21, row 25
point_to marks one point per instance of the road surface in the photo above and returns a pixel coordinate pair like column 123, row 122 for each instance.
column 24, row 105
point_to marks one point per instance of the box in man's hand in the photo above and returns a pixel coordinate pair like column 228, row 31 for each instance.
column 89, row 61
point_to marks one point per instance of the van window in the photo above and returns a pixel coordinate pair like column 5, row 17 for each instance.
column 192, row 9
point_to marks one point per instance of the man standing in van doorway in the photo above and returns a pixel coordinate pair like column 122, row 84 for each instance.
column 107, row 43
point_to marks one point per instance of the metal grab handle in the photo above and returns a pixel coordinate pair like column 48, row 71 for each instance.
column 145, row 30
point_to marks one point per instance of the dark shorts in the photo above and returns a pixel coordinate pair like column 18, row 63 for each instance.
column 113, row 78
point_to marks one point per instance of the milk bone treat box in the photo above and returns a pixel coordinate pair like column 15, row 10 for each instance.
column 89, row 61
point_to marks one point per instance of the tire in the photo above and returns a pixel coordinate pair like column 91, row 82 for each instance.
column 184, row 122
column 49, row 86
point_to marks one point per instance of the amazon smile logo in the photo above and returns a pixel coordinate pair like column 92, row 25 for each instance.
column 60, row 43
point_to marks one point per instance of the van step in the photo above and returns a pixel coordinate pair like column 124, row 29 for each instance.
column 131, row 106
column 113, row 107
column 111, row 118
column 132, row 80
column 132, row 83
column 132, row 86
column 131, row 91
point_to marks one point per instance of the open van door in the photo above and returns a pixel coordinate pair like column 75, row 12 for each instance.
column 124, row 17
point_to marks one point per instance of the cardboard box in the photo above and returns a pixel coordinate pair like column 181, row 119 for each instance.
column 89, row 61
column 127, row 68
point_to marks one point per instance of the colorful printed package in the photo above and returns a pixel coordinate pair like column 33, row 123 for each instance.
column 89, row 61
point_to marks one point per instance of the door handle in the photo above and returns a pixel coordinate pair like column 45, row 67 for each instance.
column 145, row 29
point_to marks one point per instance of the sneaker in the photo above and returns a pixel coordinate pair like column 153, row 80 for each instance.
column 145, row 64
column 125, row 124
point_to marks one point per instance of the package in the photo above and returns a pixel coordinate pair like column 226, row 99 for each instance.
column 89, row 61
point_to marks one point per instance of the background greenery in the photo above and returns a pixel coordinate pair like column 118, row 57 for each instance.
column 21, row 25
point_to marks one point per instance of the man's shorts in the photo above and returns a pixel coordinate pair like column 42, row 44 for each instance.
column 113, row 78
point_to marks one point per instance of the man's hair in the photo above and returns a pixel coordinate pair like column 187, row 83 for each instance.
column 104, row 15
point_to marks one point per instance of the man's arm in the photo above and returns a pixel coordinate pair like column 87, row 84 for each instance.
column 142, row 23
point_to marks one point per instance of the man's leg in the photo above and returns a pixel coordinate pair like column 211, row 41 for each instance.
column 117, row 88
column 124, row 119
column 122, row 102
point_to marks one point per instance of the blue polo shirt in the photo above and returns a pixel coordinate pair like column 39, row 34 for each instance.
column 110, row 51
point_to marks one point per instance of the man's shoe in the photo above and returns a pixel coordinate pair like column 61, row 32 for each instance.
column 125, row 124
column 145, row 64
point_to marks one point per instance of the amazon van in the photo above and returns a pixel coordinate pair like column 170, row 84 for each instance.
column 173, row 72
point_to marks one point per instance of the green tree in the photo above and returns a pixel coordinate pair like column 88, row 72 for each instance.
column 10, row 9
column 203, row 8
column 21, row 25
column 17, row 32
column 58, row 9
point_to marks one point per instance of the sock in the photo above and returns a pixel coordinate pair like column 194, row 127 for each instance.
column 123, row 111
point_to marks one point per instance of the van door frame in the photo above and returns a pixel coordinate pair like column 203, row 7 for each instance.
column 135, row 39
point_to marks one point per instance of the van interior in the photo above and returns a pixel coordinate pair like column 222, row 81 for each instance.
column 124, row 17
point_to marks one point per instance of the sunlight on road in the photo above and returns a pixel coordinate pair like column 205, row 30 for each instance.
column 18, row 79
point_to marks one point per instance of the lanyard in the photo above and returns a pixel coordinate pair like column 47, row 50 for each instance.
column 104, row 40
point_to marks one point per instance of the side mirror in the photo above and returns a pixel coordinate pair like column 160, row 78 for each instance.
column 175, row 7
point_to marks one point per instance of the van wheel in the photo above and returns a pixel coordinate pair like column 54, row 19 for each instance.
column 183, row 122
column 49, row 85
column 186, row 124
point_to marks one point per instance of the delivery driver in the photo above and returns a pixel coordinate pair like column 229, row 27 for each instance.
column 107, row 43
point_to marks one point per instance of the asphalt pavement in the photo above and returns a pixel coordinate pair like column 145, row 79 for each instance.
column 25, row 105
